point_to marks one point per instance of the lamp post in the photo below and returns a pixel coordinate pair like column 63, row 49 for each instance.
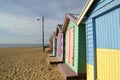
column 42, row 32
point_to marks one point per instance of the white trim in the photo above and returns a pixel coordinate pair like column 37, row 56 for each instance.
column 84, row 10
column 59, row 29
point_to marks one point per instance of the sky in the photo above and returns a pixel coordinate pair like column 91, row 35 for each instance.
column 18, row 24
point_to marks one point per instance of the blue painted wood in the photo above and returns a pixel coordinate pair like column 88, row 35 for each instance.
column 101, row 24
column 105, row 31
column 102, row 3
column 89, row 42
column 107, row 26
column 108, row 6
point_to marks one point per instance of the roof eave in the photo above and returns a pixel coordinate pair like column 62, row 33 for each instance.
column 71, row 17
column 58, row 29
column 84, row 11
column 67, row 18
column 65, row 24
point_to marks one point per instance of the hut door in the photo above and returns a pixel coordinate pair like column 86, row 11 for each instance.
column 71, row 46
column 57, row 51
column 61, row 46
column 67, row 46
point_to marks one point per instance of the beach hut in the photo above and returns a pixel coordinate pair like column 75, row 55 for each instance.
column 54, row 43
column 75, row 48
column 59, row 37
column 102, row 39
column 51, row 42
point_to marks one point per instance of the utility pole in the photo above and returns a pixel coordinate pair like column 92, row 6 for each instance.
column 43, row 33
column 38, row 19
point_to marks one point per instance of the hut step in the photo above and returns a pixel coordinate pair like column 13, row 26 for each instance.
column 67, row 72
column 55, row 60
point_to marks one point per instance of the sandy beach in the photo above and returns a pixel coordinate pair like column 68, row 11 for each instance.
column 27, row 64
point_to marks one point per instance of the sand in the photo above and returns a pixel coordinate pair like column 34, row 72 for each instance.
column 27, row 64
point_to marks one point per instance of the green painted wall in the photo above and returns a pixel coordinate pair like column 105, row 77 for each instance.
column 54, row 47
column 75, row 66
column 79, row 48
column 70, row 25
column 82, row 49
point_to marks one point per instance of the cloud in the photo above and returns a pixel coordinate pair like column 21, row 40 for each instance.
column 26, row 27
column 22, row 25
column 18, row 17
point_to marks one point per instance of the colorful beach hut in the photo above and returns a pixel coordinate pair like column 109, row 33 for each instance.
column 75, row 48
column 102, row 39
column 59, row 37
column 54, row 43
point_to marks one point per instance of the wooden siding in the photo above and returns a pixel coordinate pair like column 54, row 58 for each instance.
column 89, row 42
column 70, row 25
column 76, row 48
column 90, row 49
column 79, row 48
column 90, row 72
column 62, row 44
column 54, row 47
column 105, row 37
column 108, row 45
column 67, row 47
column 101, row 4
column 59, row 46
column 71, row 46
column 108, row 64
column 108, row 30
column 82, row 49
column 75, row 64
column 110, row 4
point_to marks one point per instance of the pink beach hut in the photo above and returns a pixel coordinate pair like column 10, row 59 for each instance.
column 59, row 37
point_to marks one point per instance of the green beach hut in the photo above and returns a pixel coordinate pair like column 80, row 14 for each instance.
column 75, row 48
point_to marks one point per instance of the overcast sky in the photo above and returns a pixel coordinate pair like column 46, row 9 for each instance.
column 18, row 22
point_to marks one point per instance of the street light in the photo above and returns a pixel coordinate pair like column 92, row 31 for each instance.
column 42, row 32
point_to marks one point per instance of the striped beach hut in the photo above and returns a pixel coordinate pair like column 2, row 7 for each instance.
column 102, row 39
column 59, row 37
column 75, row 48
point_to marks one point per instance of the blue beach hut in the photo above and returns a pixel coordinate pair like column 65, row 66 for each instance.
column 102, row 39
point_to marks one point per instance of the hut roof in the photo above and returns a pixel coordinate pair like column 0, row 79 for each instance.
column 51, row 37
column 84, row 8
column 69, row 16
column 58, row 29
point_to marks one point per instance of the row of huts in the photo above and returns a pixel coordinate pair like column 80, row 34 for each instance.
column 89, row 43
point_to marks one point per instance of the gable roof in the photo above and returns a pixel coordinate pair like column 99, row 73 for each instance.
column 58, row 29
column 69, row 16
column 51, row 37
column 84, row 10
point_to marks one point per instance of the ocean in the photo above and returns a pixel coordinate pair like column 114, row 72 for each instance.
column 20, row 45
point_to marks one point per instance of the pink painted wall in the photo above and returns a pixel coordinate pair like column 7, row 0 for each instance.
column 69, row 46
column 60, row 45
